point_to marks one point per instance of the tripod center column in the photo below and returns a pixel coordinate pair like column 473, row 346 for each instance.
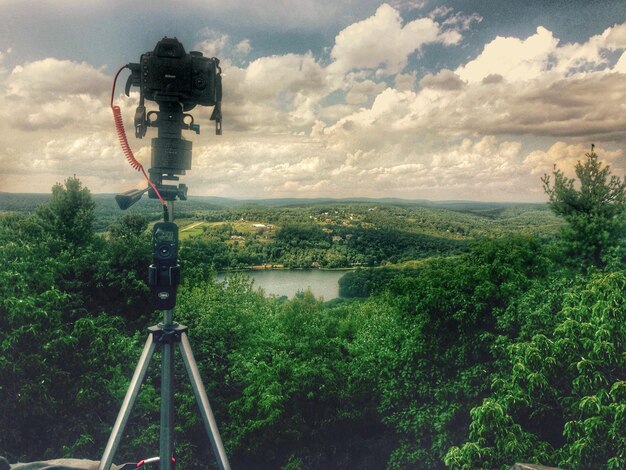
column 166, row 448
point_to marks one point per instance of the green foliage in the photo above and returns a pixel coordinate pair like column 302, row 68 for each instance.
column 199, row 257
column 595, row 209
column 277, row 374
column 69, row 215
column 59, row 367
column 119, row 284
column 63, row 363
column 303, row 236
column 130, row 225
column 493, row 355
column 561, row 401
column 429, row 342
column 365, row 282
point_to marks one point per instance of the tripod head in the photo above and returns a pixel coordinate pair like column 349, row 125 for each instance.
column 177, row 82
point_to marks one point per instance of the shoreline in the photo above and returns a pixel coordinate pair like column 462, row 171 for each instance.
column 279, row 267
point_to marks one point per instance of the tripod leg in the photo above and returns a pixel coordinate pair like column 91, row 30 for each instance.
column 129, row 400
column 166, row 448
column 203, row 403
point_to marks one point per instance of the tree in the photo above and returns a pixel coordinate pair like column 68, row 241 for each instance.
column 120, row 282
column 130, row 225
column 62, row 370
column 69, row 215
column 594, row 208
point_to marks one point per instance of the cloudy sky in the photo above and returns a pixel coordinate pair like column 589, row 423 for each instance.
column 459, row 99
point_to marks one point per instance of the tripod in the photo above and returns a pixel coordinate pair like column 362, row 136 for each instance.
column 178, row 82
column 166, row 335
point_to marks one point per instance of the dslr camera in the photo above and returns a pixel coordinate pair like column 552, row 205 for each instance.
column 177, row 82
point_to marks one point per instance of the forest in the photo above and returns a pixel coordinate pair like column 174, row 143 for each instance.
column 328, row 234
column 470, row 337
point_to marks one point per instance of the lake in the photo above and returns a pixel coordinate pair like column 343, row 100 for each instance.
column 288, row 282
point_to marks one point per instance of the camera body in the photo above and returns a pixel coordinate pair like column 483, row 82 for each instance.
column 170, row 74
column 164, row 272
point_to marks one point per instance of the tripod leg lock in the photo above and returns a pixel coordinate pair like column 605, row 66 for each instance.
column 169, row 336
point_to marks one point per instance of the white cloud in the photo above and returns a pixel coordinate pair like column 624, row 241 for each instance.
column 440, row 12
column 471, row 168
column 360, row 125
column 374, row 127
column 53, row 78
column 565, row 156
column 462, row 22
column 381, row 42
column 615, row 37
column 217, row 44
column 443, row 80
column 243, row 47
column 580, row 58
column 362, row 92
column 213, row 44
column 512, row 58
column 53, row 94
column 620, row 65
column 542, row 55
column 588, row 105
column 405, row 81
column 56, row 121
column 276, row 93
column 392, row 143
column 408, row 5
column 453, row 24
column 291, row 73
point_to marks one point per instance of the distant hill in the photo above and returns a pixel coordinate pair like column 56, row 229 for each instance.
column 459, row 206
column 21, row 202
column 24, row 202
column 107, row 210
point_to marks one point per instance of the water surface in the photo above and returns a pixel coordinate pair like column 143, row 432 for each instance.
column 286, row 282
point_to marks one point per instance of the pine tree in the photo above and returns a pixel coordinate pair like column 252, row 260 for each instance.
column 594, row 208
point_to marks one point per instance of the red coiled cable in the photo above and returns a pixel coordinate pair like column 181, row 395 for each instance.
column 121, row 135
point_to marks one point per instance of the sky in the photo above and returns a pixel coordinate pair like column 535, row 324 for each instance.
column 415, row 99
